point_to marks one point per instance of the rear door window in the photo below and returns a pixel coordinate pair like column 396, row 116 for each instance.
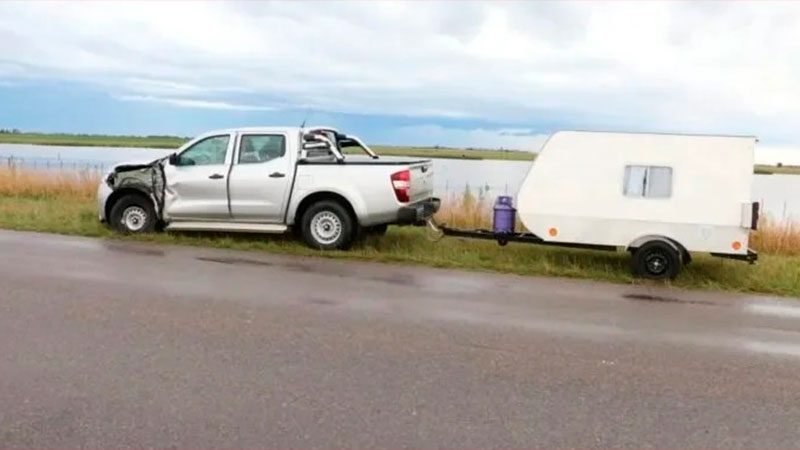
column 259, row 148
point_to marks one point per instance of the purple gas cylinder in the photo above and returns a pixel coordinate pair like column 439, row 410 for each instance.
column 504, row 215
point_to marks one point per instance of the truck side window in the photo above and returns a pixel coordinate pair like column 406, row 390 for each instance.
column 648, row 181
column 207, row 152
column 258, row 148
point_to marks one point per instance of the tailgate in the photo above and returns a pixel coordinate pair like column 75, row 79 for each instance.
column 421, row 181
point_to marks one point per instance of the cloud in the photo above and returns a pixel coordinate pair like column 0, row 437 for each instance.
column 166, row 87
column 663, row 66
column 428, row 135
column 191, row 103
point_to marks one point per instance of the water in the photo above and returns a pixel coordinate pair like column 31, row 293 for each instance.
column 779, row 194
column 80, row 158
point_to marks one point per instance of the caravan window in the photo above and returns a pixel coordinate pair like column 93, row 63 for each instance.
column 648, row 181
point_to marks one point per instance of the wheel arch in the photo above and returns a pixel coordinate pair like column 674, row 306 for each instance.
column 115, row 196
column 319, row 196
column 677, row 246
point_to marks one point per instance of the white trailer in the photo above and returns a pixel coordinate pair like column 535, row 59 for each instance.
column 659, row 196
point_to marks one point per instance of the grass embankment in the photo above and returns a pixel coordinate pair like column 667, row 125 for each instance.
column 65, row 205
column 92, row 140
column 169, row 142
column 763, row 169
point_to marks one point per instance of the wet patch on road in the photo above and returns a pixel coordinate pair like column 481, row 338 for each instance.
column 319, row 269
column 662, row 299
column 320, row 301
column 134, row 249
column 244, row 261
column 776, row 309
column 398, row 279
column 297, row 267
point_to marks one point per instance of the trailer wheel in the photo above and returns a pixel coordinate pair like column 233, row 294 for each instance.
column 656, row 260
column 326, row 225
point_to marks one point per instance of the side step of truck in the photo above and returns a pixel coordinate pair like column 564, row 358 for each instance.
column 228, row 227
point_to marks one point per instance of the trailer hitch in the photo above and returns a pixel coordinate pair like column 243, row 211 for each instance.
column 433, row 231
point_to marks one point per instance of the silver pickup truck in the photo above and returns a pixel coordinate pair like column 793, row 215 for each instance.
column 270, row 180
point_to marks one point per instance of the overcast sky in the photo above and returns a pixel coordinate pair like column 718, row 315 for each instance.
column 452, row 73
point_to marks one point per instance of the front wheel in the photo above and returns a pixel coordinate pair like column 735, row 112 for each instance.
column 656, row 260
column 327, row 225
column 133, row 214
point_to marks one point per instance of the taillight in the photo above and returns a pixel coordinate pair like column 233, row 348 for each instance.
column 401, row 183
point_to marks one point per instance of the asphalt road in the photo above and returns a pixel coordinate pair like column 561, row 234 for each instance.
column 112, row 344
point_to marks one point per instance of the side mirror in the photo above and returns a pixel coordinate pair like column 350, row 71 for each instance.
column 173, row 159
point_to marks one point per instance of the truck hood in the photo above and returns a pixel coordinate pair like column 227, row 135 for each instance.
column 135, row 164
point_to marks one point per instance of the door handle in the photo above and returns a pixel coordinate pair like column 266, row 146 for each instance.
column 216, row 176
column 277, row 175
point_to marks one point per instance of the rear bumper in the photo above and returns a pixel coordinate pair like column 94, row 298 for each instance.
column 419, row 212
column 750, row 257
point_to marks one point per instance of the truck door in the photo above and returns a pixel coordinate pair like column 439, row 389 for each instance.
column 196, row 187
column 260, row 178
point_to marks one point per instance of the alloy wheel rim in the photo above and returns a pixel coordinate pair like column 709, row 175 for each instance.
column 326, row 227
column 134, row 218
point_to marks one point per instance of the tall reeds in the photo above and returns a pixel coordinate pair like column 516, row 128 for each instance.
column 782, row 237
column 466, row 210
column 21, row 182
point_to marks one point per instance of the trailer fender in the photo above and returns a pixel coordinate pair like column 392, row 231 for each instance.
column 638, row 242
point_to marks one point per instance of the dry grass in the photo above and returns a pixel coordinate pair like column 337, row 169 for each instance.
column 466, row 210
column 66, row 205
column 16, row 182
column 779, row 237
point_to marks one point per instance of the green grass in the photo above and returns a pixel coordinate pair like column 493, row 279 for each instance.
column 774, row 274
column 168, row 142
column 92, row 140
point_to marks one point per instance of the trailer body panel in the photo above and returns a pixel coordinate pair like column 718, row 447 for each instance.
column 618, row 189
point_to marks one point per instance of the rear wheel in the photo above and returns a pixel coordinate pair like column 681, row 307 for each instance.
column 327, row 225
column 656, row 260
column 133, row 214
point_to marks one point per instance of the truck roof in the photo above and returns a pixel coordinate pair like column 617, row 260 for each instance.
column 267, row 129
column 256, row 130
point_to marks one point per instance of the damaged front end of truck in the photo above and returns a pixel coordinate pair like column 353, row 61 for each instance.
column 146, row 179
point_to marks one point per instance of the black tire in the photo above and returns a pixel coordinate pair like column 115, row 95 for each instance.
column 133, row 214
column 327, row 225
column 656, row 260
column 686, row 257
